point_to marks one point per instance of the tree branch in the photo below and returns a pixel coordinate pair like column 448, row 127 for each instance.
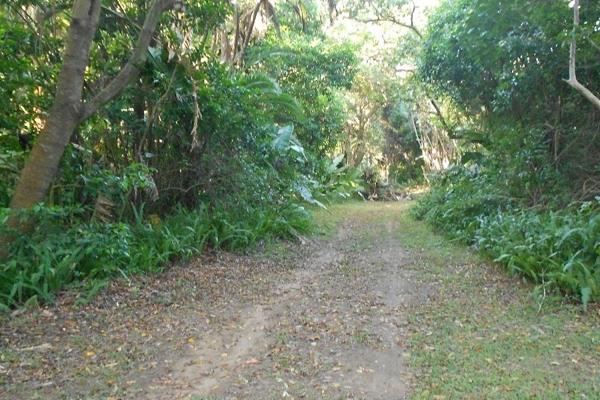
column 394, row 21
column 46, row 13
column 594, row 45
column 572, row 81
column 236, row 38
column 438, row 112
column 412, row 15
column 132, row 68
column 122, row 17
column 248, row 34
column 270, row 11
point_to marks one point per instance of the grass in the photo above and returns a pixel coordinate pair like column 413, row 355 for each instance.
column 487, row 334
column 361, row 337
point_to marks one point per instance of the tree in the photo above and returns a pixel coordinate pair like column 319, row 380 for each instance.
column 575, row 84
column 244, row 23
column 401, row 13
column 501, row 66
column 68, row 109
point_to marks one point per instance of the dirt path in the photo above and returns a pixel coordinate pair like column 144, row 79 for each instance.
column 379, row 309
column 335, row 328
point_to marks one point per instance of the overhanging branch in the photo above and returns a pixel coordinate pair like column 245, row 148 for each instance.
column 132, row 68
column 394, row 21
column 572, row 81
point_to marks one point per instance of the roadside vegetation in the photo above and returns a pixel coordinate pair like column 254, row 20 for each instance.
column 490, row 335
column 217, row 125
column 525, row 183
column 220, row 138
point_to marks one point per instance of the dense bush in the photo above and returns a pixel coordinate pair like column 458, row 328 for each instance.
column 557, row 249
column 314, row 73
column 457, row 200
column 197, row 151
column 525, row 190
column 507, row 79
column 243, row 182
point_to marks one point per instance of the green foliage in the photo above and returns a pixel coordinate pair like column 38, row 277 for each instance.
column 456, row 201
column 479, row 54
column 504, row 65
column 339, row 181
column 233, row 188
column 313, row 72
column 60, row 253
column 401, row 150
column 305, row 16
column 195, row 153
column 557, row 249
column 528, row 140
column 10, row 163
column 24, row 73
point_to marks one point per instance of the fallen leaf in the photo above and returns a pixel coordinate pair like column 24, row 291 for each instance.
column 17, row 312
column 90, row 354
column 41, row 347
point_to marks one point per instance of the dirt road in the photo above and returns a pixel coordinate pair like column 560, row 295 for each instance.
column 334, row 328
column 380, row 308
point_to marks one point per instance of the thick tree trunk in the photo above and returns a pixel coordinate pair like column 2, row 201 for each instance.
column 41, row 168
column 68, row 110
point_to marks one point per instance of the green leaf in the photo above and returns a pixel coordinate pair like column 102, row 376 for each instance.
column 308, row 197
column 154, row 52
column 284, row 137
column 586, row 295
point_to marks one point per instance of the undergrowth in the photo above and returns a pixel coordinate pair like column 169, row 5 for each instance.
column 59, row 253
column 558, row 248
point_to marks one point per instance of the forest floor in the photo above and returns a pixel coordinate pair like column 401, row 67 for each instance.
column 377, row 307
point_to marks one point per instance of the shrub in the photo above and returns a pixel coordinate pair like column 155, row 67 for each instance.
column 457, row 200
column 59, row 253
column 558, row 249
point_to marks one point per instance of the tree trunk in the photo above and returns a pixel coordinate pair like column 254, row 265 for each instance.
column 43, row 162
column 236, row 36
column 225, row 46
column 68, row 110
column 575, row 84
column 248, row 34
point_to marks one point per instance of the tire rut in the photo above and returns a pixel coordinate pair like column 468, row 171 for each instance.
column 335, row 328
